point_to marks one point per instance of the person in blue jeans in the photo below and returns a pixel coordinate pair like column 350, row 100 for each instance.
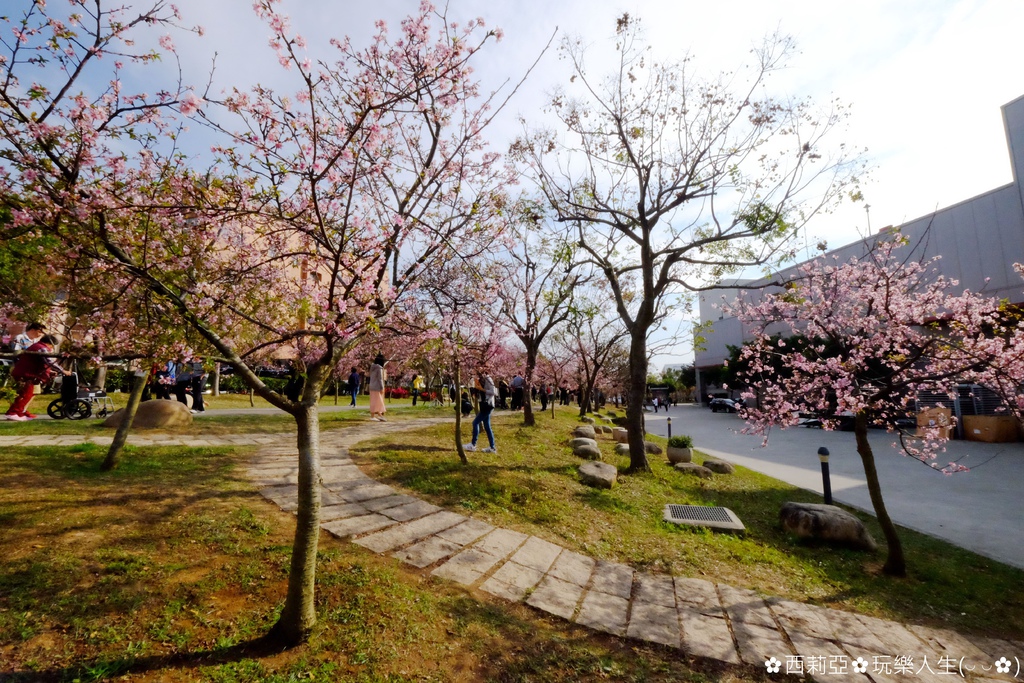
column 484, row 416
column 353, row 385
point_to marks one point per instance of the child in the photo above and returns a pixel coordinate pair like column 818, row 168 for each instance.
column 29, row 369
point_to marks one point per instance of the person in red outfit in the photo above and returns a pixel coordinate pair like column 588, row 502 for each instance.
column 30, row 368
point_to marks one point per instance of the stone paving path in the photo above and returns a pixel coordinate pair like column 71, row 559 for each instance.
column 699, row 617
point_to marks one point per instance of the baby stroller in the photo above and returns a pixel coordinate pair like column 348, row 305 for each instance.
column 79, row 403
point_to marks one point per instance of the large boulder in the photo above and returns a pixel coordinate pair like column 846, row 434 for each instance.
column 580, row 441
column 598, row 474
column 694, row 469
column 620, row 435
column 585, row 432
column 622, row 449
column 587, row 451
column 652, row 448
column 826, row 523
column 719, row 466
column 156, row 414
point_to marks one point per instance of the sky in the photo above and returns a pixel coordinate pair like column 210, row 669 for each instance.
column 925, row 78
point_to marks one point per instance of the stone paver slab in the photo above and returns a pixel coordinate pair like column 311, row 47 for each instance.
column 362, row 493
column 655, row 589
column 467, row 532
column 612, row 578
column 853, row 632
column 338, row 473
column 953, row 644
column 698, row 594
column 745, row 606
column 797, row 617
column 512, row 581
column 537, row 554
column 705, row 636
column 656, row 623
column 573, row 568
column 556, row 597
column 500, row 542
column 426, row 553
column 409, row 511
column 378, row 504
column 357, row 525
column 329, row 513
column 757, row 643
column 467, row 567
column 604, row 612
column 403, row 534
column 821, row 660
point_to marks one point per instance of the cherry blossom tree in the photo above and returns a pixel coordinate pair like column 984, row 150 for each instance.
column 535, row 281
column 872, row 332
column 670, row 180
column 325, row 206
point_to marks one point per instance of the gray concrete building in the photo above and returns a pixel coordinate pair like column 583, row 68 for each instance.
column 979, row 240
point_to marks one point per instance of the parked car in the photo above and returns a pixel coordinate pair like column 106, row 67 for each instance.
column 726, row 405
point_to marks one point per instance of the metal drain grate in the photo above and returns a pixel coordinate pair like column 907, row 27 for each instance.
column 700, row 515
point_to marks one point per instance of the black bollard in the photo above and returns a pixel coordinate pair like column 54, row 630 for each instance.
column 825, row 482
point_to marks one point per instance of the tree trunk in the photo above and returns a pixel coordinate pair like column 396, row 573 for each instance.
column 215, row 380
column 458, row 416
column 252, row 400
column 531, row 365
column 895, row 564
column 635, row 406
column 299, row 613
column 121, row 436
column 101, row 378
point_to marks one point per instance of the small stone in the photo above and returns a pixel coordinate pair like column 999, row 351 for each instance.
column 622, row 449
column 587, row 420
column 579, row 441
column 587, row 451
column 694, row 469
column 826, row 523
column 606, row 429
column 585, row 432
column 652, row 448
column 598, row 474
column 719, row 466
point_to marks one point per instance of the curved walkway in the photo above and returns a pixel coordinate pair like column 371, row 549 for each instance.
column 699, row 617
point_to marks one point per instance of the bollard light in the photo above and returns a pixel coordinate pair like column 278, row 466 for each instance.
column 670, row 427
column 826, row 484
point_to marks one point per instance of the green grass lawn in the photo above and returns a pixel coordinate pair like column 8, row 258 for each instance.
column 532, row 485
column 170, row 567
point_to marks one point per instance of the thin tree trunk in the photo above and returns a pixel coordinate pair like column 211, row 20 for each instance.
column 635, row 406
column 531, row 365
column 215, row 380
column 252, row 400
column 458, row 416
column 895, row 564
column 101, row 378
column 299, row 614
column 121, row 436
column 336, row 383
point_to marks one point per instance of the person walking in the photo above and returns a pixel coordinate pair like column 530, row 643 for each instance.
column 353, row 384
column 418, row 385
column 543, row 397
column 517, row 391
column 32, row 367
column 378, row 377
column 484, row 416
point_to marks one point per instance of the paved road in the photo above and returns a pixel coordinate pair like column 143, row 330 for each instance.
column 981, row 510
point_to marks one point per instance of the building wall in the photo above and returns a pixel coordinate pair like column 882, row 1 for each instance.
column 977, row 240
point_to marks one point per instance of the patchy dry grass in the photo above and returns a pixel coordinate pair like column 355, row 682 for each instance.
column 170, row 568
column 532, row 485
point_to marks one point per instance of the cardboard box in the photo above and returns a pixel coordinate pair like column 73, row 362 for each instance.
column 990, row 428
column 930, row 418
